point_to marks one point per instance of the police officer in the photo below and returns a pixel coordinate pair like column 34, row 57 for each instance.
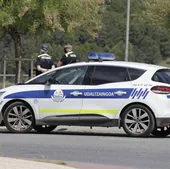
column 44, row 61
column 69, row 56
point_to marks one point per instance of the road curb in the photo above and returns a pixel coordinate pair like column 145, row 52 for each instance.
column 12, row 163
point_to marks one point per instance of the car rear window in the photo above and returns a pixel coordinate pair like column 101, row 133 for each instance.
column 162, row 75
column 135, row 73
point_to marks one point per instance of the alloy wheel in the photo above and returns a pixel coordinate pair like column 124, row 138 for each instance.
column 138, row 121
column 19, row 117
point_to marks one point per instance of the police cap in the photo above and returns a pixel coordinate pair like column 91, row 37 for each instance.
column 44, row 47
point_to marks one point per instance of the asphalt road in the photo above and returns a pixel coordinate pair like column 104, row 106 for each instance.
column 101, row 146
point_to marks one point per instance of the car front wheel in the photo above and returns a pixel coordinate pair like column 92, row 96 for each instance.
column 138, row 121
column 19, row 118
column 44, row 128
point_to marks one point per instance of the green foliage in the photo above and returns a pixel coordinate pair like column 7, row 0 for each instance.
column 147, row 42
column 36, row 15
column 156, row 12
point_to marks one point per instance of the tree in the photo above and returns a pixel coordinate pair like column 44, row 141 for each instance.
column 17, row 17
column 156, row 12
column 147, row 42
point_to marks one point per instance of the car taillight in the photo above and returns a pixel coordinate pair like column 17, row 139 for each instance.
column 160, row 89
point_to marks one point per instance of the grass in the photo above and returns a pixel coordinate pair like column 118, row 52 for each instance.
column 52, row 161
column 60, row 163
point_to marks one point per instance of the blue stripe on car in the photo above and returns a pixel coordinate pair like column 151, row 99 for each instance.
column 132, row 93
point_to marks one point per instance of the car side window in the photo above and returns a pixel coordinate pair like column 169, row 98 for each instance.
column 135, row 73
column 70, row 76
column 109, row 74
column 42, row 79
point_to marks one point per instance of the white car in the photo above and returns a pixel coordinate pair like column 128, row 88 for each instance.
column 134, row 96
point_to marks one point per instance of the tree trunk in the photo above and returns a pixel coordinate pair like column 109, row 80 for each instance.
column 13, row 32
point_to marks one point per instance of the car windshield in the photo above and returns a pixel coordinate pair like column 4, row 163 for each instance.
column 162, row 75
column 73, row 75
column 41, row 79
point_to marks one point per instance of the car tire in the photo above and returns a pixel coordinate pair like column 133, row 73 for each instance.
column 19, row 118
column 138, row 121
column 161, row 131
column 44, row 128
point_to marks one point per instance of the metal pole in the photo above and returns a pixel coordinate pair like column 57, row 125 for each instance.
column 19, row 70
column 4, row 73
column 127, row 31
column 32, row 67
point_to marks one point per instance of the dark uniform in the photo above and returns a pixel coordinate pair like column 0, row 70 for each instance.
column 68, row 58
column 45, row 61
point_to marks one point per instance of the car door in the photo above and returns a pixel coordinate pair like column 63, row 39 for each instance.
column 109, row 88
column 62, row 97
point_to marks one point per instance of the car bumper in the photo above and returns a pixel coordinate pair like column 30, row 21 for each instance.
column 162, row 122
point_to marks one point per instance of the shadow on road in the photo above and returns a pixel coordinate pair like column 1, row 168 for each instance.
column 66, row 131
column 85, row 133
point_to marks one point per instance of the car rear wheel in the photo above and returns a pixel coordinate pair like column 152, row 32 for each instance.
column 161, row 131
column 44, row 128
column 19, row 118
column 138, row 121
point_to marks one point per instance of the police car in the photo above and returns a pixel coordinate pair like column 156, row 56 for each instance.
column 101, row 92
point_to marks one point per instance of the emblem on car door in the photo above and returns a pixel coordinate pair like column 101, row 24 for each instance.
column 58, row 96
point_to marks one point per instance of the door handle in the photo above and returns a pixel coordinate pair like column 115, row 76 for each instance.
column 120, row 93
column 76, row 93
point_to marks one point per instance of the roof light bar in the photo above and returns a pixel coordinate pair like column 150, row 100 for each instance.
column 101, row 56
